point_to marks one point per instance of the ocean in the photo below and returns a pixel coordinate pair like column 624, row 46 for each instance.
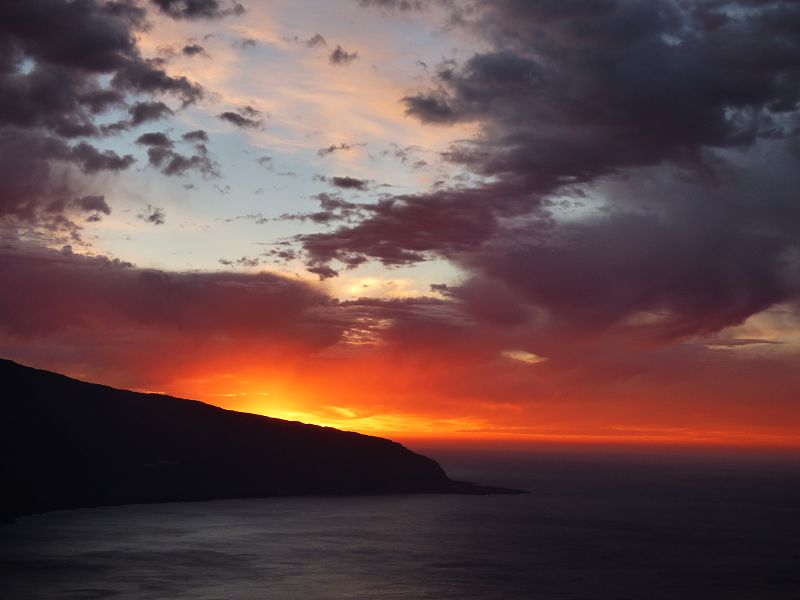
column 608, row 526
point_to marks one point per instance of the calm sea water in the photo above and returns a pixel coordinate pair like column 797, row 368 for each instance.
column 591, row 528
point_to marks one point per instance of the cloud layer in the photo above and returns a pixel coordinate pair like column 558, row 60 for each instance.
column 622, row 216
column 66, row 66
column 639, row 164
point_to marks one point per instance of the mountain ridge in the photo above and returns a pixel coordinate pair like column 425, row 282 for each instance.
column 66, row 443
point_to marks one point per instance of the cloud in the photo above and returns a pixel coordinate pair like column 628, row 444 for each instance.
column 553, row 88
column 154, row 139
column 68, row 45
column 246, row 118
column 342, row 147
column 145, row 112
column 405, row 155
column 488, row 301
column 315, row 40
column 344, row 182
column 349, row 183
column 147, row 77
column 523, row 356
column 430, row 108
column 402, row 230
column 340, row 56
column 246, row 43
column 198, row 9
column 93, row 203
column 92, row 160
column 192, row 50
column 160, row 154
column 332, row 208
column 198, row 135
column 152, row 214
column 134, row 325
column 96, row 292
column 667, row 127
column 630, row 199
column 67, row 65
column 244, row 261
column 130, row 326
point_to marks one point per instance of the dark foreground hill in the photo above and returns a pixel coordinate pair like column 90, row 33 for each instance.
column 66, row 443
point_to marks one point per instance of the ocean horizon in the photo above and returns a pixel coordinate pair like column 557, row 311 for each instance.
column 591, row 527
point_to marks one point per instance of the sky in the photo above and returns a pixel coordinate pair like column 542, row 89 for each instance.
column 529, row 220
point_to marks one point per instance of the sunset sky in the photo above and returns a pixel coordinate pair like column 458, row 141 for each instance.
column 569, row 220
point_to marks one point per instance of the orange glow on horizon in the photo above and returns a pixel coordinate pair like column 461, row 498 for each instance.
column 363, row 396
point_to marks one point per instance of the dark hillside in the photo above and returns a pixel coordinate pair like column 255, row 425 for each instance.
column 66, row 443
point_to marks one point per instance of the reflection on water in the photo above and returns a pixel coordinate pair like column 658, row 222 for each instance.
column 589, row 529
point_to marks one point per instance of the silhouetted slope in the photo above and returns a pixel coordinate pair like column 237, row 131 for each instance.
column 66, row 443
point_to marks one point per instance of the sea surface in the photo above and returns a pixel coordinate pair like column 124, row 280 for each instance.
column 592, row 527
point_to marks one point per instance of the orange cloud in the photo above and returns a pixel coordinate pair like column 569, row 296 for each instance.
column 411, row 366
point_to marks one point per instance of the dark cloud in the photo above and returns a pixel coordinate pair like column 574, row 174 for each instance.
column 144, row 112
column 342, row 147
column 194, row 50
column 349, row 183
column 39, row 171
column 148, row 77
column 92, row 160
column 402, row 230
column 160, row 154
column 178, row 164
column 152, row 214
column 92, row 204
column 154, row 139
column 122, row 321
column 673, row 122
column 26, row 165
column 104, row 295
column 198, row 9
column 89, row 35
column 64, row 66
column 315, row 40
column 67, row 46
column 246, row 118
column 695, row 260
column 566, row 80
column 281, row 254
column 244, row 261
column 323, row 271
column 340, row 56
column 198, row 136
column 430, row 108
column 332, row 208
column 488, row 302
